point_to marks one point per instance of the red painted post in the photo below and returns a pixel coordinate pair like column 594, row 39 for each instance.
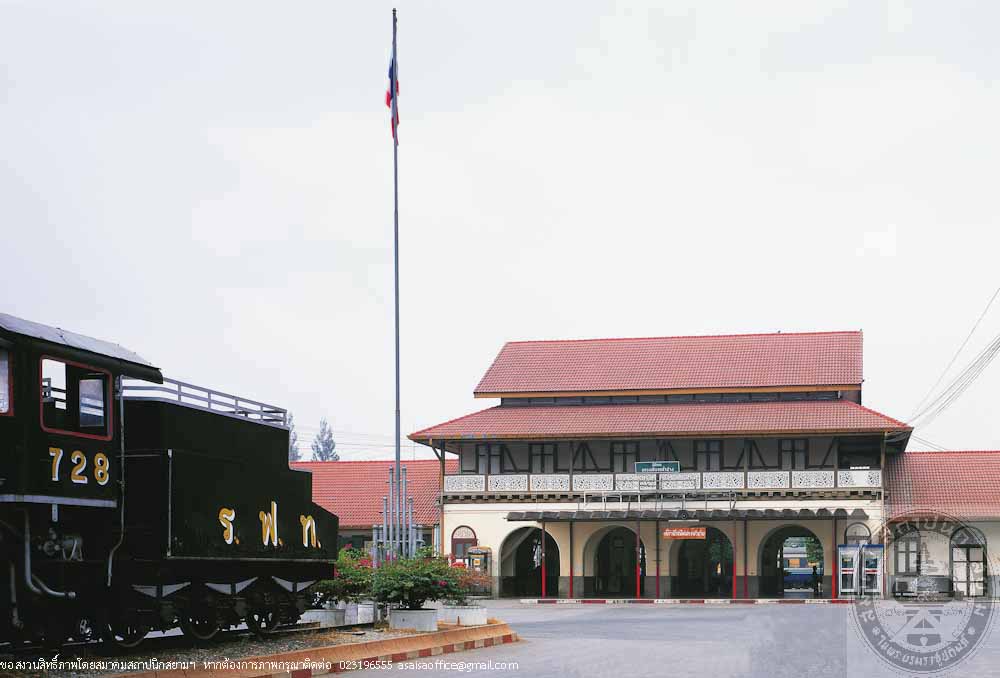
column 836, row 561
column 638, row 562
column 571, row 559
column 544, row 563
column 745, row 559
column 657, row 558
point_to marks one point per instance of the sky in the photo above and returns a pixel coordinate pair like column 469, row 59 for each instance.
column 210, row 185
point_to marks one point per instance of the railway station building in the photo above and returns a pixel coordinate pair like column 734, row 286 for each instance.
column 703, row 467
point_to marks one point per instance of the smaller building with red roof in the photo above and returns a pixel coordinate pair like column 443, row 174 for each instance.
column 353, row 491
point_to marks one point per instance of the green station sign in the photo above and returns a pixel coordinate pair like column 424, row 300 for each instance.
column 657, row 467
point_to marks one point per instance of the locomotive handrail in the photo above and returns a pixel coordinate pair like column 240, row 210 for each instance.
column 208, row 399
column 48, row 390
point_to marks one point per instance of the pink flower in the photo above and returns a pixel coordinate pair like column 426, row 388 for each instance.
column 442, row 583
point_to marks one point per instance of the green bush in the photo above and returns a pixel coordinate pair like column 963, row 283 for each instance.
column 352, row 580
column 408, row 583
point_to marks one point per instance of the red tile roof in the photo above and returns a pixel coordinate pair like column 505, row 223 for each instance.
column 353, row 490
column 665, row 363
column 961, row 484
column 675, row 419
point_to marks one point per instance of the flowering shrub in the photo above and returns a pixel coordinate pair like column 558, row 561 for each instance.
column 352, row 580
column 470, row 582
column 410, row 582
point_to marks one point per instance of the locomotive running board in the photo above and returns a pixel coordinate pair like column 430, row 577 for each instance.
column 46, row 499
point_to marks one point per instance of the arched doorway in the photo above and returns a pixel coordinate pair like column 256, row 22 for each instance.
column 704, row 567
column 968, row 563
column 788, row 557
column 615, row 561
column 521, row 564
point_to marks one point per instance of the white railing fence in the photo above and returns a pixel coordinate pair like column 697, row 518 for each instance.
column 203, row 398
column 685, row 481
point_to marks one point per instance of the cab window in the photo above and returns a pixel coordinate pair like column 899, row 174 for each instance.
column 74, row 398
column 6, row 384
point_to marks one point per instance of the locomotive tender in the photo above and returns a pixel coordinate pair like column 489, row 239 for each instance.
column 129, row 502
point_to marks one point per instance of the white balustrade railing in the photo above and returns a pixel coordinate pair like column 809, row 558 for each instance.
column 549, row 482
column 635, row 481
column 722, row 480
column 509, row 483
column 812, row 479
column 686, row 481
column 767, row 480
column 594, row 482
column 861, row 478
column 464, row 483
column 680, row 482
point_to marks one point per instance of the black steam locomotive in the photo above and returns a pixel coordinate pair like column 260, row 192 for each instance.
column 130, row 503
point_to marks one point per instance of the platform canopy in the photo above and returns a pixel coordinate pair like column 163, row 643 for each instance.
column 684, row 514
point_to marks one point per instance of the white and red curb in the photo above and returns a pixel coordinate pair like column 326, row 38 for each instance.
column 374, row 654
column 686, row 601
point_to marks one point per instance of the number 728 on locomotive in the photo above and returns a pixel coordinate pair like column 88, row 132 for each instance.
column 131, row 502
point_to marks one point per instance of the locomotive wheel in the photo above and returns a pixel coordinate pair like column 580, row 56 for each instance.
column 123, row 635
column 83, row 630
column 200, row 624
column 262, row 622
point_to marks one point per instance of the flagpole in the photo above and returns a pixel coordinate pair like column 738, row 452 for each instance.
column 395, row 218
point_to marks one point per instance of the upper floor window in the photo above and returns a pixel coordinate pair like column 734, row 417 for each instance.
column 708, row 455
column 542, row 457
column 494, row 459
column 6, row 384
column 859, row 456
column 470, row 463
column 623, row 456
column 75, row 399
column 794, row 453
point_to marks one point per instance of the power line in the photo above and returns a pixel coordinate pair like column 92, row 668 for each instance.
column 927, row 443
column 959, row 385
column 955, row 357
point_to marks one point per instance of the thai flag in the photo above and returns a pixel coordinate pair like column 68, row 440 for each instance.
column 391, row 98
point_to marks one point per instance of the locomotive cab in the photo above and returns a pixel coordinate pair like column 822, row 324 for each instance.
column 60, row 469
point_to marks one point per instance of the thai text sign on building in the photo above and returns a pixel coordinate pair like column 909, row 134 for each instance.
column 684, row 533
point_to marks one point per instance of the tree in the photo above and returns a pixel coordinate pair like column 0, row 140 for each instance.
column 294, row 454
column 814, row 550
column 323, row 444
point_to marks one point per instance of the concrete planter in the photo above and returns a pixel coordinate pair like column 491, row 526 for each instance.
column 327, row 618
column 418, row 620
column 463, row 615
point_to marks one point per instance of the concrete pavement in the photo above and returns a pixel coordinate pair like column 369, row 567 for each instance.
column 761, row 641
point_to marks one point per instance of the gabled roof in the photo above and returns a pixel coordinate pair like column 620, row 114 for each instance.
column 962, row 484
column 668, row 419
column 353, row 490
column 737, row 361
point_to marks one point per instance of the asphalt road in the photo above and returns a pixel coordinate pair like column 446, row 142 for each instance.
column 762, row 641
